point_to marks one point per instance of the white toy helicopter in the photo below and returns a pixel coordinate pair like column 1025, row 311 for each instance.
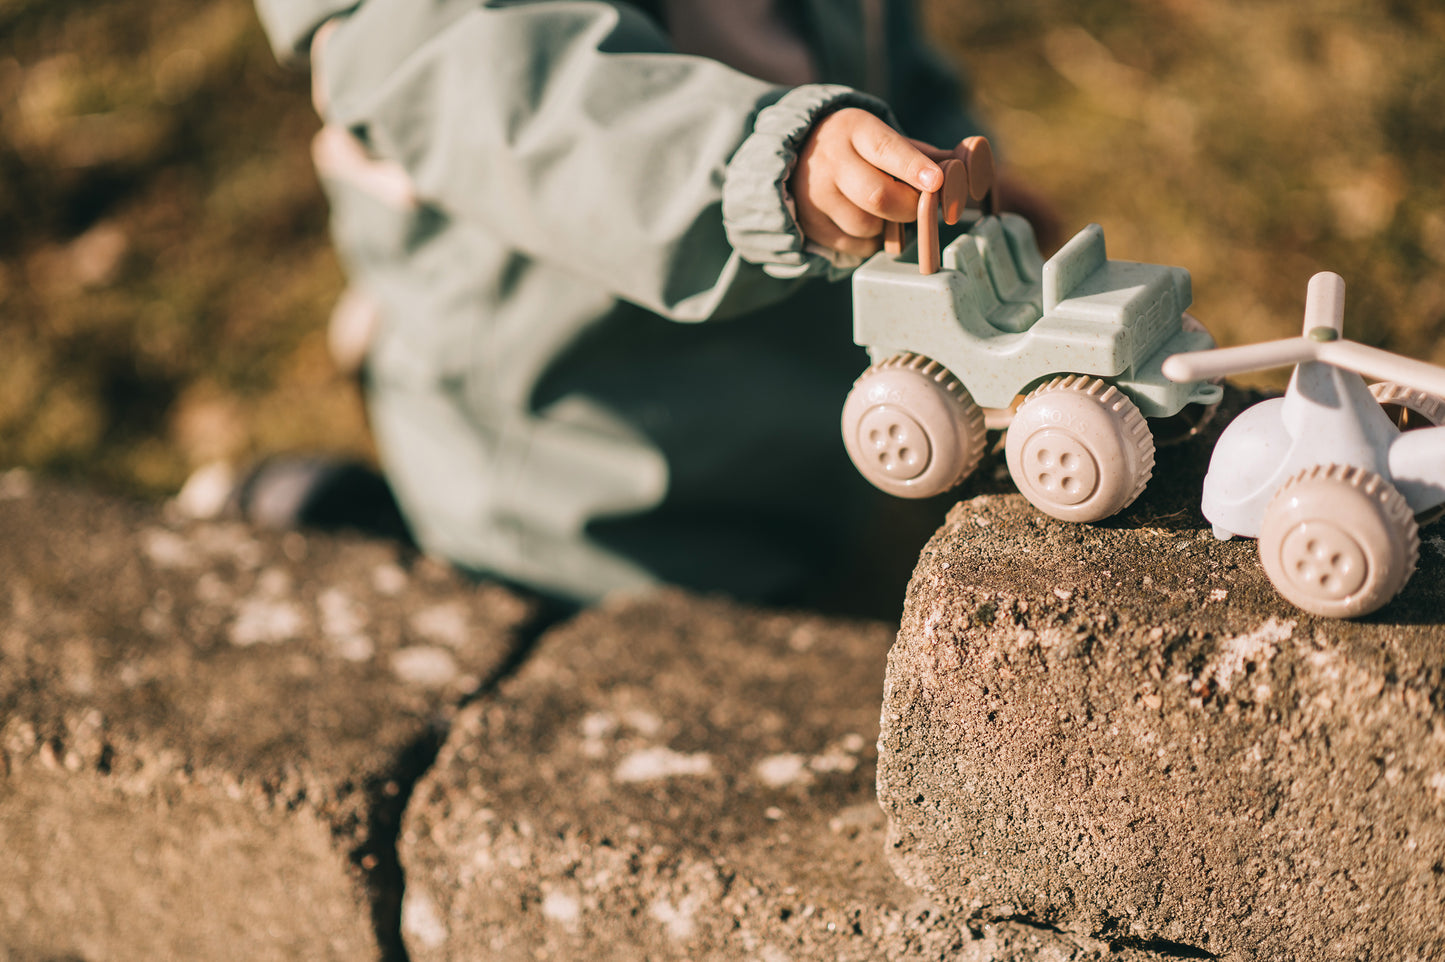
column 1323, row 477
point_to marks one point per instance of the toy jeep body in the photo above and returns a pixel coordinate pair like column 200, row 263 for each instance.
column 1083, row 337
column 1003, row 320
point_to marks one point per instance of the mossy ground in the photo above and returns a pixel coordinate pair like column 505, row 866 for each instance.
column 165, row 274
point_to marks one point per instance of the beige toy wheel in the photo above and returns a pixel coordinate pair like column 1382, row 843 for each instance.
column 911, row 428
column 1079, row 449
column 1338, row 541
column 1410, row 409
column 1407, row 407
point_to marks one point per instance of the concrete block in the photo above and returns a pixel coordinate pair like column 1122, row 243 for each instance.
column 206, row 733
column 678, row 778
column 1122, row 731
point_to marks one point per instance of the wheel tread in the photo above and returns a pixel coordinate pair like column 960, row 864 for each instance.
column 953, row 388
column 1135, row 427
column 1382, row 492
column 1429, row 406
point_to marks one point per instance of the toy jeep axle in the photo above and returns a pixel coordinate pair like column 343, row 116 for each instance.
column 1065, row 354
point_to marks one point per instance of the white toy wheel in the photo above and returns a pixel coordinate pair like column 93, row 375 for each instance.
column 1407, row 407
column 1079, row 449
column 1338, row 541
column 911, row 428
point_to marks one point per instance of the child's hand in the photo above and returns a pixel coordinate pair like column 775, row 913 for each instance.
column 844, row 182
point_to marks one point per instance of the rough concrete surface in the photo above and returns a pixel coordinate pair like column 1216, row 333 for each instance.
column 1121, row 730
column 1098, row 741
column 207, row 733
column 675, row 778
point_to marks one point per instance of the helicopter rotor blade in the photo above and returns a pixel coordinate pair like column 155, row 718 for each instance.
column 1374, row 363
column 1325, row 303
column 1324, row 313
column 1223, row 361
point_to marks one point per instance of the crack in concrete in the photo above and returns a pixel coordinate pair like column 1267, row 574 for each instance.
column 378, row 857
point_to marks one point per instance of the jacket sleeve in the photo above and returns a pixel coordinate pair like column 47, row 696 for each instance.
column 573, row 132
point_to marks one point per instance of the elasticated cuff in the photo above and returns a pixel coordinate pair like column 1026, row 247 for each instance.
column 758, row 211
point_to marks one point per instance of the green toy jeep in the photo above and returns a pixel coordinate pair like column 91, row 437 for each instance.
column 1064, row 354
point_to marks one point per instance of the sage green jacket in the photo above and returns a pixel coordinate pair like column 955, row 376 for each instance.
column 546, row 403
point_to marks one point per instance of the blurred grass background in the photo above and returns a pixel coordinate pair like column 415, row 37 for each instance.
column 165, row 275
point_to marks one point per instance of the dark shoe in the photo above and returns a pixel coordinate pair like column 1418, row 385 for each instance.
column 314, row 491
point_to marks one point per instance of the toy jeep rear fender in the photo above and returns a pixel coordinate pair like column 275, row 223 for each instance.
column 1001, row 320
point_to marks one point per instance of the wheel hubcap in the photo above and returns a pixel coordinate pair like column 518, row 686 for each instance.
column 895, row 441
column 1324, row 559
column 1060, row 467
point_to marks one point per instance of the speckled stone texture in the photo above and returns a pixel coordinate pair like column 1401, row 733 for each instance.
column 1122, row 731
column 206, row 733
column 675, row 778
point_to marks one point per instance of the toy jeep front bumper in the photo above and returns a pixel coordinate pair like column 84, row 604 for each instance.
column 1155, row 395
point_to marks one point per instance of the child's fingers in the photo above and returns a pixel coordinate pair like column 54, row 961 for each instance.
column 852, row 219
column 821, row 229
column 853, row 173
column 876, row 194
column 824, row 214
column 893, row 153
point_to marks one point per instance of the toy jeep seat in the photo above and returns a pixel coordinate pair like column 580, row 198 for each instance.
column 1001, row 259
